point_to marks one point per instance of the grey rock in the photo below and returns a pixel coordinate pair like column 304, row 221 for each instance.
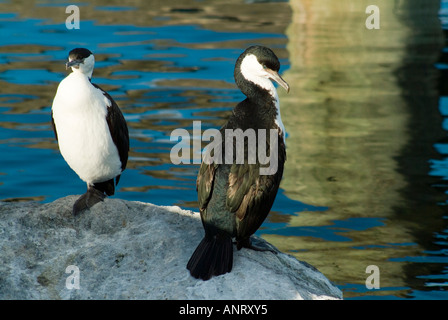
column 133, row 250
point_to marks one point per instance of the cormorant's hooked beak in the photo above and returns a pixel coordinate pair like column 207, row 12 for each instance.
column 73, row 63
column 276, row 77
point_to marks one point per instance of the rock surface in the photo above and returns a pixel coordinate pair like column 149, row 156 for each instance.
column 133, row 250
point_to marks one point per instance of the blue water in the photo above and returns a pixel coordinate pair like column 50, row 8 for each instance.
column 155, row 101
column 23, row 178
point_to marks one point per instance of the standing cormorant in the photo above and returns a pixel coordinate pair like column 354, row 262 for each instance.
column 235, row 198
column 90, row 129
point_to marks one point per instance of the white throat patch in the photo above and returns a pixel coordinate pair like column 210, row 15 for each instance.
column 254, row 72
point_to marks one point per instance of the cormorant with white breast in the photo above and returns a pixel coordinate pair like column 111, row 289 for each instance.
column 234, row 199
column 90, row 129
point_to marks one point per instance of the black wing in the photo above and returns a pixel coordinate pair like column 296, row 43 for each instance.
column 118, row 128
column 205, row 183
column 53, row 125
column 250, row 195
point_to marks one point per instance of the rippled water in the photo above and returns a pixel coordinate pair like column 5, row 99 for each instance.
column 365, row 180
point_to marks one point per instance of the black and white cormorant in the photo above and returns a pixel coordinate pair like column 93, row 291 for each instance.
column 90, row 129
column 234, row 199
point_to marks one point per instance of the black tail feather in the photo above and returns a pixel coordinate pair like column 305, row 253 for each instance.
column 212, row 257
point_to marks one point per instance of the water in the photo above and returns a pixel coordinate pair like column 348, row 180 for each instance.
column 365, row 181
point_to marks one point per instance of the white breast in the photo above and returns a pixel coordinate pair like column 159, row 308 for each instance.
column 79, row 113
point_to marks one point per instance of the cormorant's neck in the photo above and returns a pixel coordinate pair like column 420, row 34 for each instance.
column 257, row 89
column 262, row 101
column 261, row 94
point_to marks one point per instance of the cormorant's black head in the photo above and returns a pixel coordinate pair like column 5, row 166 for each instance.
column 258, row 65
column 81, row 59
column 265, row 56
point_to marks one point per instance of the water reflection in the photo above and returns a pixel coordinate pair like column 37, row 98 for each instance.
column 367, row 113
column 365, row 179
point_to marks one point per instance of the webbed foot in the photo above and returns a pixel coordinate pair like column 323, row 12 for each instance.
column 256, row 244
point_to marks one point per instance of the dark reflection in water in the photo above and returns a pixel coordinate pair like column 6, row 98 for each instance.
column 425, row 211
